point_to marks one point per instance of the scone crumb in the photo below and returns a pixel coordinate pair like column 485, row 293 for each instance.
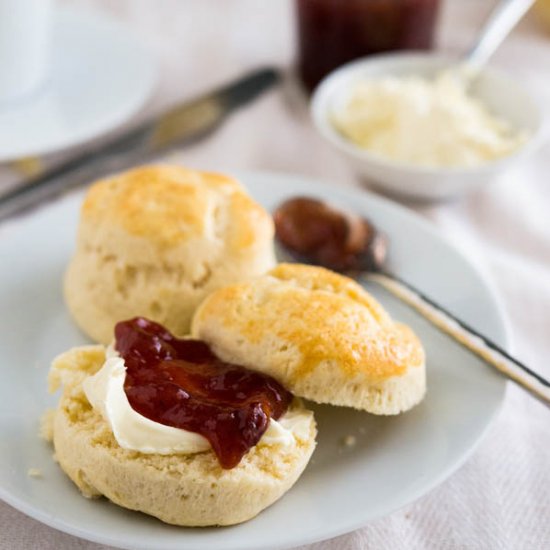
column 34, row 472
column 46, row 425
column 350, row 440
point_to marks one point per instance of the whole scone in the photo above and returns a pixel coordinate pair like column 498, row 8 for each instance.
column 187, row 490
column 319, row 334
column 154, row 241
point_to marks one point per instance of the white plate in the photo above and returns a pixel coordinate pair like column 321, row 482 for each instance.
column 101, row 74
column 395, row 461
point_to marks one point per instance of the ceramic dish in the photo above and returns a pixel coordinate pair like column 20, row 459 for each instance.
column 395, row 460
column 101, row 74
column 499, row 91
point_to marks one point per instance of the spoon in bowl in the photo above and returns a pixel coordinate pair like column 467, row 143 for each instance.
column 311, row 231
column 504, row 17
column 501, row 21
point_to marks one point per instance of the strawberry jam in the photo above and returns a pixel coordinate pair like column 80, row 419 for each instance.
column 181, row 383
column 315, row 232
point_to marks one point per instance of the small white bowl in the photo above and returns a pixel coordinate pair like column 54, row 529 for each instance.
column 500, row 92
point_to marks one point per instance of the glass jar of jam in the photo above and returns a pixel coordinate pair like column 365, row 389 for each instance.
column 333, row 32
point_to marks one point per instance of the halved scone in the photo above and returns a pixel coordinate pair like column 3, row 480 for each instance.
column 318, row 333
column 182, row 489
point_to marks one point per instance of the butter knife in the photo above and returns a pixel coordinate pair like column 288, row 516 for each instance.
column 184, row 124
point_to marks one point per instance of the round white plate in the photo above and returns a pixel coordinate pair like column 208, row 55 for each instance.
column 395, row 460
column 100, row 75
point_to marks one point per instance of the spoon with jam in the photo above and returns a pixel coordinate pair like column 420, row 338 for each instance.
column 312, row 231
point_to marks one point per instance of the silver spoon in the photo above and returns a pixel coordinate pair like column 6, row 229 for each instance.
column 501, row 21
column 311, row 231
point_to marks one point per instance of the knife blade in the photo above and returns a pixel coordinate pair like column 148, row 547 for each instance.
column 181, row 125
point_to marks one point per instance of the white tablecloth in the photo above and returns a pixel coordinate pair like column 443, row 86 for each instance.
column 500, row 499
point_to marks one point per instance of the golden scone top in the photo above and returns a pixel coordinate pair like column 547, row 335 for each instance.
column 324, row 280
column 171, row 204
column 323, row 316
column 155, row 240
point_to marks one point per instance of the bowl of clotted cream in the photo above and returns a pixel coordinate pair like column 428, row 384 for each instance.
column 422, row 126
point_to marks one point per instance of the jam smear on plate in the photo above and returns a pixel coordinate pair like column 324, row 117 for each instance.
column 181, row 383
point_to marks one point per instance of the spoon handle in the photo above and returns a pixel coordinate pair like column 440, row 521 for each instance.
column 501, row 21
column 465, row 335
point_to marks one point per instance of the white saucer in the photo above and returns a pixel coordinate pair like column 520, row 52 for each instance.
column 101, row 74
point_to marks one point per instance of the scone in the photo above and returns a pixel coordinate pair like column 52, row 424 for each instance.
column 154, row 241
column 181, row 489
column 319, row 334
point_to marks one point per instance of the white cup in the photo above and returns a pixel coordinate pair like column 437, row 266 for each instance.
column 25, row 33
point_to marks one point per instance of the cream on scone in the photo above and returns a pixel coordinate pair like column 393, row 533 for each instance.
column 319, row 334
column 154, row 241
column 187, row 488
